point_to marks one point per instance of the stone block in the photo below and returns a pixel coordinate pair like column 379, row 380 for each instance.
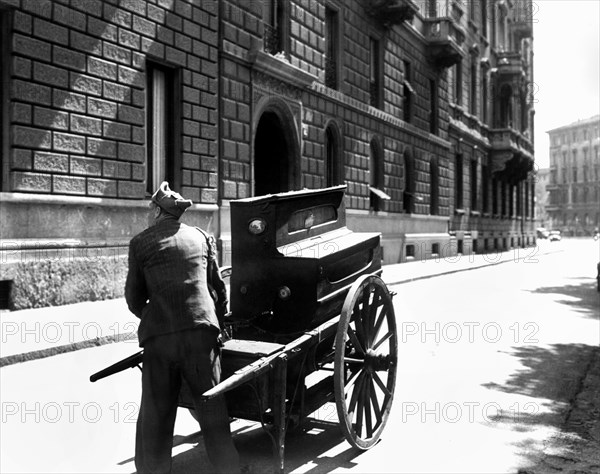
column 68, row 185
column 31, row 137
column 50, row 118
column 70, row 18
column 21, row 159
column 101, row 187
column 86, row 125
column 22, row 113
column 116, row 92
column 68, row 142
column 131, row 190
column 87, row 84
column 135, row 6
column 116, row 53
column 69, row 101
column 33, row 182
column 143, row 26
column 50, row 32
column 103, row 148
column 29, row 92
column 52, row 162
column 104, row 69
column 102, row 29
column 132, row 115
column 131, row 77
column 22, row 67
column 131, row 152
column 117, row 130
column 91, row 7
column 86, row 166
column 68, row 58
column 31, row 48
column 208, row 196
column 102, row 108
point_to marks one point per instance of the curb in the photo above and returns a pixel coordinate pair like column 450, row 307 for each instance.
column 100, row 341
column 463, row 269
column 75, row 346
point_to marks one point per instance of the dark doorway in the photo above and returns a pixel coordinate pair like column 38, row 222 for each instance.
column 271, row 156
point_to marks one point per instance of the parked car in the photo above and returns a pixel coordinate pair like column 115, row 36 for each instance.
column 554, row 236
column 542, row 233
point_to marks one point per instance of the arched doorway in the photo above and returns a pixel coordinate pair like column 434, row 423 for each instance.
column 271, row 156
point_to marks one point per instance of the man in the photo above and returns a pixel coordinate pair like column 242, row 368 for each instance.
column 167, row 287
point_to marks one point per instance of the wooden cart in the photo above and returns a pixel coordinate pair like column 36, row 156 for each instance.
column 311, row 321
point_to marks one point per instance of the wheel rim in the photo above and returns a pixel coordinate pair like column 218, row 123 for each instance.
column 366, row 349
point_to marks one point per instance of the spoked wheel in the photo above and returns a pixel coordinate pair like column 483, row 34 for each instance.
column 366, row 348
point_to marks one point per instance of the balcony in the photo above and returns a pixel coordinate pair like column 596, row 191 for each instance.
column 391, row 12
column 512, row 154
column 444, row 41
column 522, row 19
column 509, row 64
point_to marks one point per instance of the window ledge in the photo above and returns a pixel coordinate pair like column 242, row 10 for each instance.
column 459, row 211
column 281, row 69
column 475, row 213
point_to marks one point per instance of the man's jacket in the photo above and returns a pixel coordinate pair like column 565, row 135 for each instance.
column 167, row 285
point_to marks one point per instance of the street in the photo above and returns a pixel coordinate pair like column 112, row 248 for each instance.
column 490, row 361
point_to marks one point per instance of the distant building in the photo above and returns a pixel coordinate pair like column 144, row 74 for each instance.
column 541, row 197
column 574, row 201
column 422, row 108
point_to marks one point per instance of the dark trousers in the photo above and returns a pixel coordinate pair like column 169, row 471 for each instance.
column 195, row 356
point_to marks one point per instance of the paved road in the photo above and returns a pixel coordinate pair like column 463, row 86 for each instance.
column 490, row 361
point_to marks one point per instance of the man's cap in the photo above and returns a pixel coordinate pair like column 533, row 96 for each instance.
column 170, row 201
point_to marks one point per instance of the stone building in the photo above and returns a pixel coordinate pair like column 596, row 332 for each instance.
column 423, row 109
column 574, row 184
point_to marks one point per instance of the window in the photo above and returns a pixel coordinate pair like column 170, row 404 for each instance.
column 473, row 98
column 433, row 112
column 408, row 198
column 375, row 74
column 332, row 157
column 458, row 83
column 458, row 181
column 484, row 95
column 276, row 21
column 474, row 202
column 331, row 47
column 432, row 8
column 4, row 98
column 505, row 106
column 434, row 176
column 494, row 196
column 408, row 92
column 377, row 195
column 484, row 18
column 162, row 117
column 503, row 202
column 485, row 180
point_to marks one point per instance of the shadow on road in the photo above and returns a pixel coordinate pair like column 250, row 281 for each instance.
column 581, row 296
column 317, row 445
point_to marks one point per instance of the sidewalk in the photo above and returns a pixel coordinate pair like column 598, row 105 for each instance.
column 37, row 333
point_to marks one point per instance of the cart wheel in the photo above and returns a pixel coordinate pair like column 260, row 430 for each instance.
column 366, row 348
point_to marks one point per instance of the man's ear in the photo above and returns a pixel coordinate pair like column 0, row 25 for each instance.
column 156, row 211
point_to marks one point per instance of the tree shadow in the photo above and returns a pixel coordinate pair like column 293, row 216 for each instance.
column 582, row 296
column 553, row 378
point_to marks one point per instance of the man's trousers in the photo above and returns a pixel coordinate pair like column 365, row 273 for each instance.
column 195, row 356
